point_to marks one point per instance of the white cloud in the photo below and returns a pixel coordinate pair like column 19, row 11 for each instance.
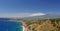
column 20, row 14
column 37, row 14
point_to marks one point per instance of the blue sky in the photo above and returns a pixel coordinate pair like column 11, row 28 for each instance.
column 10, row 7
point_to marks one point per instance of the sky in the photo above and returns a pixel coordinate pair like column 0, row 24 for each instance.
column 16, row 8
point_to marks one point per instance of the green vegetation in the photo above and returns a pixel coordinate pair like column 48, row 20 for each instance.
column 44, row 24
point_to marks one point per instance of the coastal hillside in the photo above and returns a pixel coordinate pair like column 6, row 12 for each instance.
column 43, row 24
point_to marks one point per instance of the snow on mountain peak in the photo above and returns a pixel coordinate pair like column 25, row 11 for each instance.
column 37, row 14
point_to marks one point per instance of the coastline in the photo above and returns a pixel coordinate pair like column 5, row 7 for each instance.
column 23, row 28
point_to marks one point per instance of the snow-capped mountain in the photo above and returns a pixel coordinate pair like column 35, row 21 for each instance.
column 43, row 16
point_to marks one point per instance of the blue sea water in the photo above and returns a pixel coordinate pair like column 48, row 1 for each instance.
column 10, row 26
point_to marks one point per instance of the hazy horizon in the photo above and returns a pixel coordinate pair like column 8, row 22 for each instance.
column 22, row 8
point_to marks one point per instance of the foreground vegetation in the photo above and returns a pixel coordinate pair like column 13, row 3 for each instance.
column 43, row 25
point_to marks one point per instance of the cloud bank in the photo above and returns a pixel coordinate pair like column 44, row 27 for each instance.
column 20, row 14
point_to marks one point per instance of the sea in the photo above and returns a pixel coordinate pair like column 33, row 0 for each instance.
column 10, row 25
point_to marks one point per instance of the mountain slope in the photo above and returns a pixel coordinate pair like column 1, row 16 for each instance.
column 43, row 16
